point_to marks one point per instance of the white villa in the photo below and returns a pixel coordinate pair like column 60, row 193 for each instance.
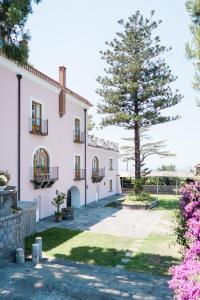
column 44, row 141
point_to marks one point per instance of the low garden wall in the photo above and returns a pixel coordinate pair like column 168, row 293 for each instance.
column 15, row 227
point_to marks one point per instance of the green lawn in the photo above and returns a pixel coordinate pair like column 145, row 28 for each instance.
column 156, row 255
column 87, row 247
column 166, row 202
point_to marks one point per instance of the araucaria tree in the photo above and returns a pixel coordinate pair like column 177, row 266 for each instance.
column 136, row 87
column 13, row 37
column 193, row 48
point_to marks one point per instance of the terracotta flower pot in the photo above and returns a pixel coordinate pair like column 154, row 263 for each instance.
column 58, row 217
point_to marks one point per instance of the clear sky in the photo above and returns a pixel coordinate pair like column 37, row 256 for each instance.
column 72, row 32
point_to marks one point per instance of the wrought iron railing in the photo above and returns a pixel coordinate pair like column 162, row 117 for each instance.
column 39, row 174
column 79, row 136
column 79, row 174
column 98, row 175
column 38, row 126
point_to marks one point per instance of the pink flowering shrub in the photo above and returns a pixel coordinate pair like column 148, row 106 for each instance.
column 186, row 277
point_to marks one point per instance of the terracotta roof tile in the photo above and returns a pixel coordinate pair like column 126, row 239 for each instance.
column 45, row 77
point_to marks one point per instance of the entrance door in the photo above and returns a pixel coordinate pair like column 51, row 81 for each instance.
column 69, row 199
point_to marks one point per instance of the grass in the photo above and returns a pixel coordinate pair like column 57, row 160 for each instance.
column 156, row 255
column 87, row 247
column 130, row 199
column 166, row 202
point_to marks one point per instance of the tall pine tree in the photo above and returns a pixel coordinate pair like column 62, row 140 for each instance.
column 136, row 87
column 193, row 48
column 13, row 37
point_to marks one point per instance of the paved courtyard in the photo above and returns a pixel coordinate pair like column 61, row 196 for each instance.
column 59, row 280
column 71, row 280
column 107, row 220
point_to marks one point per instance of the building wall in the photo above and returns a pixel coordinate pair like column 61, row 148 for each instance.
column 101, row 190
column 58, row 143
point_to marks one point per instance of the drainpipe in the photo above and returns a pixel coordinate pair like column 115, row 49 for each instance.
column 85, row 133
column 19, row 77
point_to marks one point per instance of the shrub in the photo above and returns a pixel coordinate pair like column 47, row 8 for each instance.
column 186, row 277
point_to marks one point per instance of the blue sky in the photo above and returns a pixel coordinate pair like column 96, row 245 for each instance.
column 72, row 33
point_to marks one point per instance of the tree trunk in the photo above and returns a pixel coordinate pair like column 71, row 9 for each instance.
column 137, row 152
column 137, row 184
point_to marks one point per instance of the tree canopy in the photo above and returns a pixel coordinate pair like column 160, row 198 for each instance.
column 193, row 47
column 13, row 36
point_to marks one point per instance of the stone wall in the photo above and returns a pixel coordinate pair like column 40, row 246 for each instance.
column 162, row 189
column 15, row 227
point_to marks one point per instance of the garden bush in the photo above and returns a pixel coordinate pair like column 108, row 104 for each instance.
column 186, row 277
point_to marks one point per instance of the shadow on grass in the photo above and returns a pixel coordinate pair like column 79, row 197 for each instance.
column 94, row 255
column 152, row 263
column 53, row 237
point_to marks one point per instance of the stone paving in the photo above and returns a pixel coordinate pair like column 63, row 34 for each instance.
column 70, row 280
column 59, row 280
column 107, row 220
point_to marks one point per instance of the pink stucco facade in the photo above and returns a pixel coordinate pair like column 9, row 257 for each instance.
column 58, row 143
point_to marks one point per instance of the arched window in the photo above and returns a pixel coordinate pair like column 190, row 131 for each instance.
column 95, row 165
column 41, row 162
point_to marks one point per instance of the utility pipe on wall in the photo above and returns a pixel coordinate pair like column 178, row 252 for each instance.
column 85, row 133
column 19, row 77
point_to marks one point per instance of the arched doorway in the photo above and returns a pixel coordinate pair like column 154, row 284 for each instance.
column 73, row 197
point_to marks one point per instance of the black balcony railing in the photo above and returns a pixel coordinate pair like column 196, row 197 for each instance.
column 79, row 137
column 44, row 177
column 38, row 126
column 98, row 175
column 79, row 174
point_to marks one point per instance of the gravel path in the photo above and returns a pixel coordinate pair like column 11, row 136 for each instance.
column 55, row 280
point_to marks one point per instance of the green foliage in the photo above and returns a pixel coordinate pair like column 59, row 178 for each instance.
column 167, row 168
column 58, row 201
column 136, row 87
column 193, row 48
column 181, row 229
column 138, row 185
column 91, row 123
column 13, row 37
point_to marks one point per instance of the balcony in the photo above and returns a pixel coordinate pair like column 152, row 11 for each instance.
column 79, row 174
column 38, row 126
column 44, row 178
column 79, row 137
column 98, row 176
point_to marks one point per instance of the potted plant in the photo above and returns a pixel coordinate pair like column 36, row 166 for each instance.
column 67, row 213
column 58, row 201
column 4, row 179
